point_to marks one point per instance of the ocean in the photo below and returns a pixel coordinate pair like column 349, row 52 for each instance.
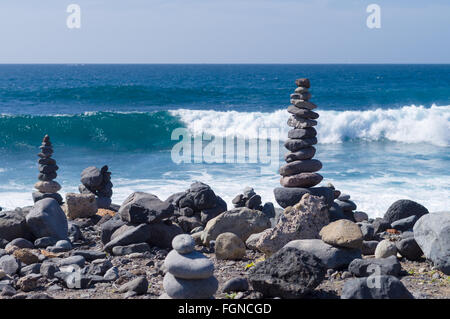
column 383, row 132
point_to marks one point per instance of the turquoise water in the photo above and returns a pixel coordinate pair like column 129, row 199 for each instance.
column 383, row 129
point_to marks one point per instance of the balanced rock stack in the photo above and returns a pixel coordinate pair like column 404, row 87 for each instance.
column 301, row 169
column 190, row 275
column 97, row 182
column 47, row 187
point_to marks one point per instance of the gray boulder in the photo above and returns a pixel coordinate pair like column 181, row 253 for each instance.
column 331, row 257
column 47, row 219
column 289, row 273
column 141, row 207
column 130, row 249
column 241, row 221
column 375, row 266
column 404, row 208
column 375, row 287
column 432, row 234
column 369, row 247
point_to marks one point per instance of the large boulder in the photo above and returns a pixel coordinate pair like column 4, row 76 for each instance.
column 331, row 257
column 302, row 221
column 80, row 205
column 375, row 287
column 342, row 233
column 13, row 225
column 289, row 273
column 432, row 234
column 47, row 219
column 404, row 208
column 289, row 196
column 141, row 208
column 241, row 221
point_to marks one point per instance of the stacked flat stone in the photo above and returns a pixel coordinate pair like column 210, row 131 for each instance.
column 47, row 187
column 97, row 182
column 190, row 274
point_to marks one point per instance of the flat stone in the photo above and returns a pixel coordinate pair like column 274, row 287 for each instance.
column 304, row 113
column 289, row 196
column 347, row 206
column 37, row 196
column 303, row 154
column 305, row 96
column 178, row 288
column 342, row 233
column 301, row 166
column 193, row 265
column 72, row 260
column 130, row 249
column 47, row 177
column 295, row 145
column 44, row 242
column 405, row 224
column 47, row 187
column 302, row 180
column 303, row 104
column 299, row 122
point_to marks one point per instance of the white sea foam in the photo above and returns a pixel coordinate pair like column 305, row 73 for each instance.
column 409, row 124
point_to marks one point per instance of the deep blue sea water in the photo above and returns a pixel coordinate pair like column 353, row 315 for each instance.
column 384, row 130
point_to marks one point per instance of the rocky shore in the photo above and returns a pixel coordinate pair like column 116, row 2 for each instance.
column 191, row 245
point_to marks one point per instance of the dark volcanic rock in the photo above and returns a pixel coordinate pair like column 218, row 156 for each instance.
column 409, row 248
column 145, row 208
column 289, row 196
column 289, row 273
column 375, row 287
column 404, row 208
column 380, row 266
column 134, row 235
column 13, row 225
column 405, row 224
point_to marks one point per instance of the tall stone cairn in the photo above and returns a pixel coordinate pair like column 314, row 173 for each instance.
column 300, row 170
column 47, row 187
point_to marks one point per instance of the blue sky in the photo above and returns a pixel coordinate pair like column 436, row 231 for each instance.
column 227, row 31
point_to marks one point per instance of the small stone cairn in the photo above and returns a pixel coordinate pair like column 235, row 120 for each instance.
column 189, row 274
column 47, row 187
column 97, row 182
